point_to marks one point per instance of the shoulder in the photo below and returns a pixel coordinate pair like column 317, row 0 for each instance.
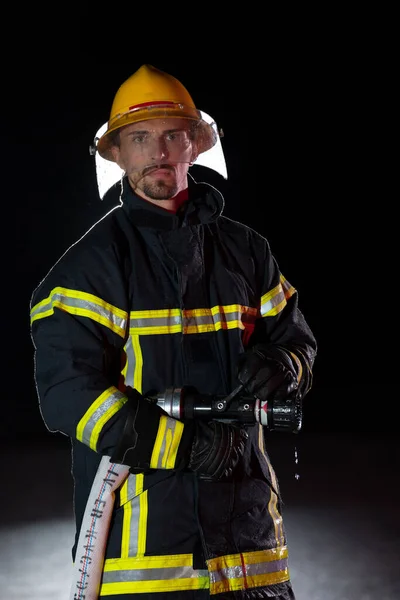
column 102, row 237
column 240, row 230
column 95, row 254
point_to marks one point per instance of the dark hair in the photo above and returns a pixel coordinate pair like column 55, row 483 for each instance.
column 114, row 138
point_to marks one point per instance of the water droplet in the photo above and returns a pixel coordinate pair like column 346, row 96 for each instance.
column 296, row 461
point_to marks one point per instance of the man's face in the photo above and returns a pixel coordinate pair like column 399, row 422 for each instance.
column 156, row 155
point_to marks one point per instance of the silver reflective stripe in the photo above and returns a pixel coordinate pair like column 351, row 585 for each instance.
column 287, row 287
column 166, row 443
column 150, row 321
column 129, row 370
column 134, row 516
column 164, row 453
column 199, row 320
column 278, row 298
column 100, row 412
column 275, row 300
column 82, row 304
column 133, row 501
column 156, row 574
column 191, row 321
column 249, row 570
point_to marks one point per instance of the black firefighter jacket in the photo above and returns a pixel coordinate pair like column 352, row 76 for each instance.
column 153, row 300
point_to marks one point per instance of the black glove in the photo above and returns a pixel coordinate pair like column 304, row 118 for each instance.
column 216, row 449
column 268, row 372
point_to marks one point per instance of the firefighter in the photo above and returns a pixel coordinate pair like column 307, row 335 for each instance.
column 165, row 292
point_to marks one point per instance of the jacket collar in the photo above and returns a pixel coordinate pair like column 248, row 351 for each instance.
column 205, row 205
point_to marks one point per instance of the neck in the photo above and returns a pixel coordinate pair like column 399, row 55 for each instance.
column 172, row 204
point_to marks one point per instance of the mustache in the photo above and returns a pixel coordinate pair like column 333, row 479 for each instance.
column 155, row 167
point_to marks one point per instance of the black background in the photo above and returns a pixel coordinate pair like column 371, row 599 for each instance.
column 307, row 100
column 305, row 103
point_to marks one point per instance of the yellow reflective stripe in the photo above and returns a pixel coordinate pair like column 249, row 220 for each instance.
column 99, row 413
column 260, row 556
column 214, row 327
column 84, row 305
column 155, row 330
column 137, row 350
column 215, row 310
column 171, row 452
column 165, row 320
column 124, row 370
column 134, row 528
column 288, row 289
column 197, row 320
column 250, row 581
column 152, row 574
column 158, row 443
column 156, row 313
column 273, row 511
column 247, row 558
column 248, row 570
column 173, row 573
column 163, row 585
column 143, row 503
column 273, row 501
column 134, row 523
column 110, row 412
column 126, row 521
column 276, row 310
column 274, row 301
column 299, row 366
column 166, row 444
column 201, row 314
column 271, row 294
column 148, row 562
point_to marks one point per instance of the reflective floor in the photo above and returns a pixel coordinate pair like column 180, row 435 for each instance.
column 341, row 512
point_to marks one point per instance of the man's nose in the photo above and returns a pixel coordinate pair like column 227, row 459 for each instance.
column 159, row 149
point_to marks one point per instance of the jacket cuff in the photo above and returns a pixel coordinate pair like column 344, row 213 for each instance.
column 172, row 444
column 151, row 439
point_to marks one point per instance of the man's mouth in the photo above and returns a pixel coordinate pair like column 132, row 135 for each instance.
column 159, row 169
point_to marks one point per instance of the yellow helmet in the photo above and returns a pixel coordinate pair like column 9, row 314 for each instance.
column 153, row 94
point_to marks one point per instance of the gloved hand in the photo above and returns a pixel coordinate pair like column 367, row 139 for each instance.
column 211, row 449
column 267, row 372
column 216, row 449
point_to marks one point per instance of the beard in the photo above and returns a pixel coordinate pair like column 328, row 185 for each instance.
column 159, row 189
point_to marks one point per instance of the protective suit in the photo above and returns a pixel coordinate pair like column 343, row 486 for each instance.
column 149, row 300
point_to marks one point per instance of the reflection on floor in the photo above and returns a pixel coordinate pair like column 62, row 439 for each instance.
column 341, row 513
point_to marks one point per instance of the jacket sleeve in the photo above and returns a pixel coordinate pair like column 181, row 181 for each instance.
column 79, row 326
column 280, row 321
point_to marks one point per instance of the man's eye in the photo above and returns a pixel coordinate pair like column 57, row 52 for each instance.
column 177, row 136
column 139, row 139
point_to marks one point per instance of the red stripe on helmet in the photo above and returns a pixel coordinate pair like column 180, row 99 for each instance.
column 151, row 103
